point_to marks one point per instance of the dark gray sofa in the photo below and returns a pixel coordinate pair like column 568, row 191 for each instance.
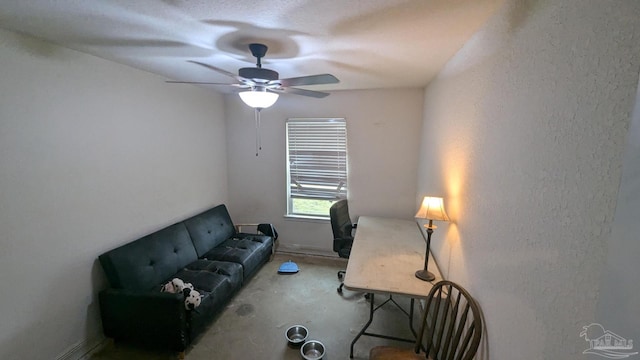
column 204, row 250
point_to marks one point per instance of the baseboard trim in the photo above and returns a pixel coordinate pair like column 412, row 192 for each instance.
column 304, row 250
column 84, row 349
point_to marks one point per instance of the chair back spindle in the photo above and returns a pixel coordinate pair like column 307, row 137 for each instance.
column 452, row 324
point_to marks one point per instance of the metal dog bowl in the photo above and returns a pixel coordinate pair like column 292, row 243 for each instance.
column 296, row 334
column 312, row 350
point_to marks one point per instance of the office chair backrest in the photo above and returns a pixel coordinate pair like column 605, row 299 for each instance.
column 340, row 220
column 454, row 322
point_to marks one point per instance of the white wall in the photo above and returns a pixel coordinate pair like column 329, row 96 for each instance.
column 92, row 155
column 523, row 135
column 619, row 295
column 383, row 134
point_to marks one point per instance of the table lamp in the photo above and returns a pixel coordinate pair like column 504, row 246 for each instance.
column 432, row 208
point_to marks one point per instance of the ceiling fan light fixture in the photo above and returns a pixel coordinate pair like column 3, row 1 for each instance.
column 258, row 99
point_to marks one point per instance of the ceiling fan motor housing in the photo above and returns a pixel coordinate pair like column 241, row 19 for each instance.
column 258, row 74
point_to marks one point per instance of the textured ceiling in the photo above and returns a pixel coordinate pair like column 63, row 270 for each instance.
column 365, row 43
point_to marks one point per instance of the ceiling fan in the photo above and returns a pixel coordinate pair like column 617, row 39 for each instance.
column 261, row 86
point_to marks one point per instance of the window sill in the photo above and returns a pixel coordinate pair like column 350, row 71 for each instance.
column 307, row 218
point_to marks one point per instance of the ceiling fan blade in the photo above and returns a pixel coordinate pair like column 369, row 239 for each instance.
column 319, row 79
column 303, row 92
column 225, row 72
column 204, row 83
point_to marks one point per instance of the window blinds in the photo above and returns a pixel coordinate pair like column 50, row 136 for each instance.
column 317, row 151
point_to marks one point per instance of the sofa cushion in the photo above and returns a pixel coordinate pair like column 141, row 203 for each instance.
column 210, row 228
column 203, row 274
column 145, row 263
column 216, row 281
column 249, row 250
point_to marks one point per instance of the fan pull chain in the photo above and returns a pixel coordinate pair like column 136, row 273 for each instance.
column 258, row 139
column 259, row 131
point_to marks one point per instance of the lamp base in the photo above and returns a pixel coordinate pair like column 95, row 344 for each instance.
column 425, row 275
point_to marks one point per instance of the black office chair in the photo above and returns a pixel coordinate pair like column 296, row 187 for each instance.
column 342, row 232
column 452, row 323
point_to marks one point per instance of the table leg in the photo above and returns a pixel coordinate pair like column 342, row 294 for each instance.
column 372, row 309
column 353, row 343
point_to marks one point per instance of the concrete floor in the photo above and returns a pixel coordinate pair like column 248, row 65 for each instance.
column 254, row 322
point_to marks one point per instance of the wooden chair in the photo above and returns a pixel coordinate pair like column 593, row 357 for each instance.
column 453, row 326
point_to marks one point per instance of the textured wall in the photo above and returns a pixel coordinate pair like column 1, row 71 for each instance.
column 92, row 154
column 383, row 134
column 619, row 292
column 523, row 135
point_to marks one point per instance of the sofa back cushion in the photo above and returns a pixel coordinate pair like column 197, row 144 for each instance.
column 210, row 228
column 149, row 261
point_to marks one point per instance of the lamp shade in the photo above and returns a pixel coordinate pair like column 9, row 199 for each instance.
column 432, row 208
column 258, row 99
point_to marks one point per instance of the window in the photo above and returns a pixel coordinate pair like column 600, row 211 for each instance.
column 316, row 165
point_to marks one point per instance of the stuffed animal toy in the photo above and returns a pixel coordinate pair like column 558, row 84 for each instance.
column 192, row 298
column 187, row 286
column 174, row 286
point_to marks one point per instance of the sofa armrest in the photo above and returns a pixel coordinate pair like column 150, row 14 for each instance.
column 146, row 317
column 264, row 228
